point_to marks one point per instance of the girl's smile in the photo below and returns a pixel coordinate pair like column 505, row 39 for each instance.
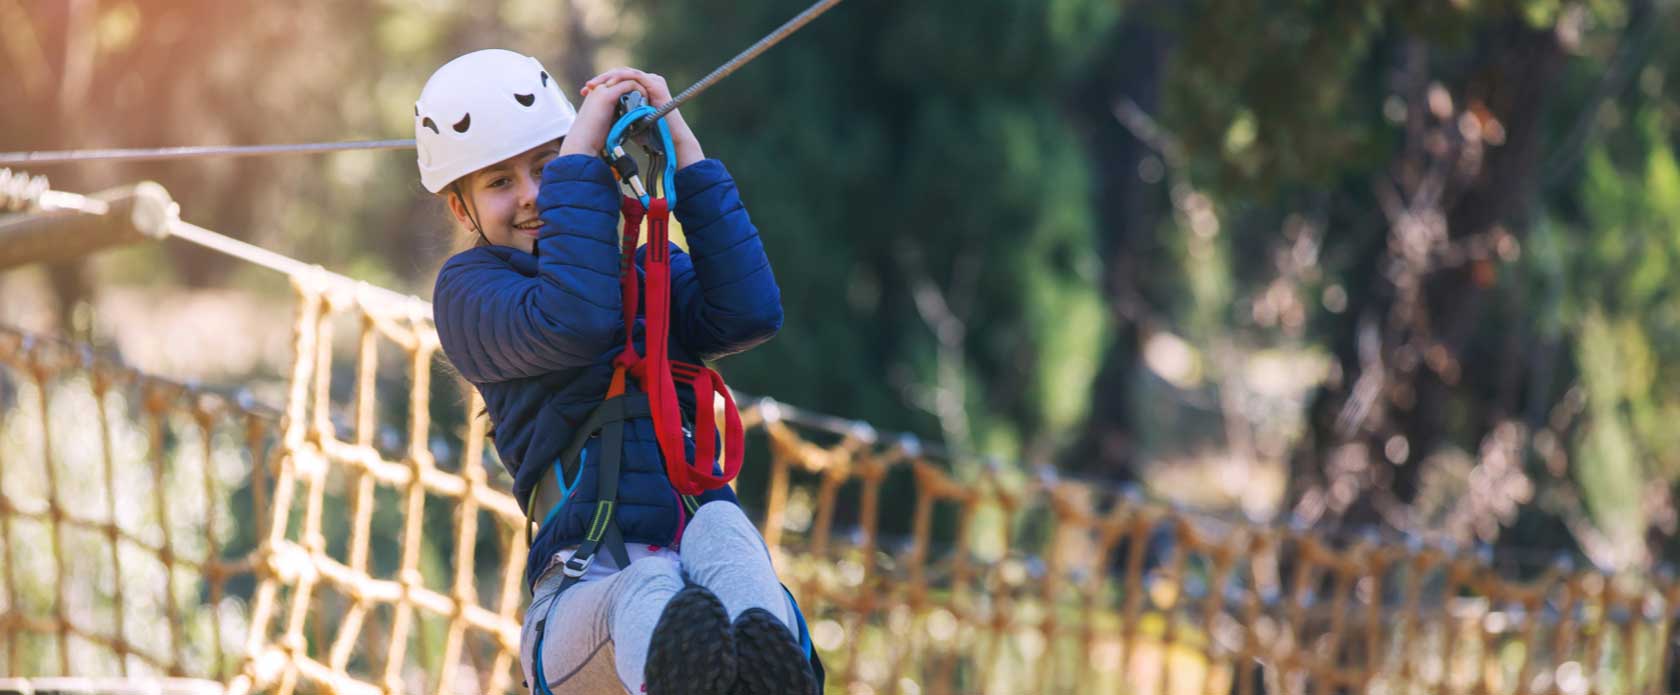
column 500, row 200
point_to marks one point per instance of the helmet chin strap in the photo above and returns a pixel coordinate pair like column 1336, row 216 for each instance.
column 471, row 209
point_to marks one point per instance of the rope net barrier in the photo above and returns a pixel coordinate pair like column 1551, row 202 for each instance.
column 151, row 529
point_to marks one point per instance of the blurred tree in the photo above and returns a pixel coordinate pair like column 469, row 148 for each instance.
column 1443, row 140
column 1128, row 67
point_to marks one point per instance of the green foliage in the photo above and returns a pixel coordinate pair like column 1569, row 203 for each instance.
column 1271, row 92
column 1616, row 268
column 1609, row 464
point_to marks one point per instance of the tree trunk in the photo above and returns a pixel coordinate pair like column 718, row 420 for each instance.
column 1435, row 338
column 1129, row 209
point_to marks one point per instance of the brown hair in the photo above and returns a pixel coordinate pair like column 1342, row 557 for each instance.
column 462, row 238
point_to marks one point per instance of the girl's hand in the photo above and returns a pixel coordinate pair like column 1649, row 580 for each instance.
column 657, row 93
column 588, row 133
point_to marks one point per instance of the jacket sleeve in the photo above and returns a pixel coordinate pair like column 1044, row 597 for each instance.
column 724, row 293
column 497, row 324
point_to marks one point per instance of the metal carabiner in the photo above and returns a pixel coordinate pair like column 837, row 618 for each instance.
column 657, row 143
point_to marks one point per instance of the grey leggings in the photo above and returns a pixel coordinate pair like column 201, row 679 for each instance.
column 595, row 636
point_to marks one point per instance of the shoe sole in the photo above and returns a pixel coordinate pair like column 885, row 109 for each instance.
column 769, row 660
column 692, row 651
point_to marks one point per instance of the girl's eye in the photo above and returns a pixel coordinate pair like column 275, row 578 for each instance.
column 499, row 182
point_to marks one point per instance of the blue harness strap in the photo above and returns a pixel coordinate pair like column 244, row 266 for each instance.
column 805, row 641
column 537, row 672
column 565, row 488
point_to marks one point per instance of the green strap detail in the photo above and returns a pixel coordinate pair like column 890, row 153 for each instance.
column 609, row 418
column 603, row 516
column 692, row 503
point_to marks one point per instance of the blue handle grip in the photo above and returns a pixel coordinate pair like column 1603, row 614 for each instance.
column 615, row 140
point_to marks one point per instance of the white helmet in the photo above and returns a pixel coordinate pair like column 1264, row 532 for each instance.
column 482, row 108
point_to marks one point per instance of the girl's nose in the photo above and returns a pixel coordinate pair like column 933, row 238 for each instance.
column 527, row 191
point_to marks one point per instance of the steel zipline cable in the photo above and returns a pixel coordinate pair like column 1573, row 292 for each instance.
column 744, row 57
column 14, row 159
column 9, row 159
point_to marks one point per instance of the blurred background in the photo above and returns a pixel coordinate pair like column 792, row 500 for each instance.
column 1341, row 263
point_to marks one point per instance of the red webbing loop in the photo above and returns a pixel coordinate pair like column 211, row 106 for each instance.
column 655, row 367
column 706, row 383
column 632, row 211
column 654, row 370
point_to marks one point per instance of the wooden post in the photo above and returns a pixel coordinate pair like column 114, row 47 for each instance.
column 138, row 212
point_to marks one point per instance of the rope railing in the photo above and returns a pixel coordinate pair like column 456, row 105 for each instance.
column 918, row 576
column 1133, row 593
column 91, row 514
column 20, row 191
column 56, row 225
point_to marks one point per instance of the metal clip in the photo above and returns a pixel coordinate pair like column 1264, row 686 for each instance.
column 575, row 569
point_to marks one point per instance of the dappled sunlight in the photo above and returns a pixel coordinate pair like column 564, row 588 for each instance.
column 1150, row 348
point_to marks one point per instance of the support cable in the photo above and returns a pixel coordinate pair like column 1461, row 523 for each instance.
column 205, row 152
column 202, row 152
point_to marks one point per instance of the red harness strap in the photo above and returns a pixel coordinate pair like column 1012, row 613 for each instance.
column 657, row 374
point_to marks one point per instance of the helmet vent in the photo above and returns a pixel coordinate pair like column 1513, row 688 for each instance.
column 526, row 100
column 462, row 125
column 429, row 124
column 545, row 79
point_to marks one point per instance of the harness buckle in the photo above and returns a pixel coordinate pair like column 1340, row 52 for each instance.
column 575, row 569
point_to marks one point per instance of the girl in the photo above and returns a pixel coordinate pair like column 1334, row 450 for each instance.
column 684, row 599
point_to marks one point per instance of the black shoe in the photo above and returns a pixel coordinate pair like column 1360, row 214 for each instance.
column 769, row 659
column 692, row 652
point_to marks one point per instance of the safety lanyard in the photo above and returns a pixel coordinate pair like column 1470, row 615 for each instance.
column 655, row 372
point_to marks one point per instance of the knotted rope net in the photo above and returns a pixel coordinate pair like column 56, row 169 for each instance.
column 152, row 530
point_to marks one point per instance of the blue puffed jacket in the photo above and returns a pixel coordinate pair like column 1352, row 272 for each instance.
column 537, row 334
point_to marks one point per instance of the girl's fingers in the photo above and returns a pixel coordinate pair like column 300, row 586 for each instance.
column 616, row 90
column 607, row 78
column 651, row 85
column 598, row 83
column 617, row 73
column 618, row 87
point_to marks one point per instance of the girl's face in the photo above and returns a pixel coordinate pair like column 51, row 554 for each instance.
column 502, row 198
